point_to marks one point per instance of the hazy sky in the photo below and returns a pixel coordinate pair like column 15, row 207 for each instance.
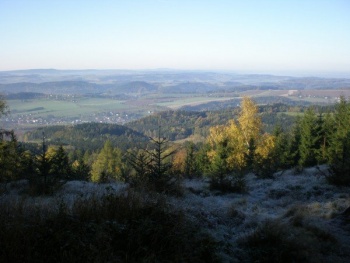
column 246, row 35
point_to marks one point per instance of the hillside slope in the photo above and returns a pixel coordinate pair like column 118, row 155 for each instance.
column 293, row 217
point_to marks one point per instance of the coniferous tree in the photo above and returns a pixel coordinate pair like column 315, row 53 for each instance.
column 10, row 157
column 219, row 167
column 159, row 165
column 190, row 162
column 325, row 130
column 10, row 167
column 152, row 167
column 3, row 106
column 80, row 170
column 309, row 139
column 43, row 163
column 339, row 157
column 281, row 152
column 140, row 162
column 59, row 163
column 295, row 138
column 202, row 161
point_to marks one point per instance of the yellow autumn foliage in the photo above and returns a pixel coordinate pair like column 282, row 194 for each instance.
column 266, row 145
column 249, row 120
column 237, row 137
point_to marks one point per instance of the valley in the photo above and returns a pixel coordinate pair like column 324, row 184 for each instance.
column 44, row 97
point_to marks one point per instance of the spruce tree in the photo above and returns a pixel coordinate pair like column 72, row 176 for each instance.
column 140, row 163
column 60, row 165
column 309, row 139
column 159, row 165
column 10, row 161
column 339, row 157
column 190, row 163
column 10, row 157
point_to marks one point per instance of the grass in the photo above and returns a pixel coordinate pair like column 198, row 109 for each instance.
column 127, row 228
column 276, row 241
column 59, row 108
column 175, row 104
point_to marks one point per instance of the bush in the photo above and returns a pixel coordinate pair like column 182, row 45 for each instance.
column 274, row 241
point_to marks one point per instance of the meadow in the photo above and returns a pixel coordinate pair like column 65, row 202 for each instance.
column 63, row 108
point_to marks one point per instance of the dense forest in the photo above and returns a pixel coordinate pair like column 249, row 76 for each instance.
column 180, row 124
column 89, row 136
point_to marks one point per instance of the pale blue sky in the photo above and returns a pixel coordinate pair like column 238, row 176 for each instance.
column 262, row 36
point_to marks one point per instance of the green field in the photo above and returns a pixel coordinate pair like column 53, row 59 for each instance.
column 190, row 101
column 57, row 108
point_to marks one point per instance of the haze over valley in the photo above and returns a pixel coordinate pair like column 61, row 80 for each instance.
column 51, row 97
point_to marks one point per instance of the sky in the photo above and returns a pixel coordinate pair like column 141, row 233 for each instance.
column 243, row 36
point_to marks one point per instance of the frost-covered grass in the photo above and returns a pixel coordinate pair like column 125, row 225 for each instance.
column 290, row 218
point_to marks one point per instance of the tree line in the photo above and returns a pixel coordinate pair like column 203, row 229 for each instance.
column 230, row 151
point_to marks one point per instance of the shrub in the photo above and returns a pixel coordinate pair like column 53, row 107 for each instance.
column 274, row 241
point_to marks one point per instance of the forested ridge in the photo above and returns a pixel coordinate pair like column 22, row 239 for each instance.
column 89, row 136
column 181, row 124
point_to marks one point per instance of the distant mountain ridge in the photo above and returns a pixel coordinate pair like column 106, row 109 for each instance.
column 124, row 81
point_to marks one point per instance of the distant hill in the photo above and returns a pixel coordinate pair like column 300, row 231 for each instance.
column 180, row 124
column 190, row 87
column 177, row 125
column 57, row 87
column 24, row 96
column 78, row 87
column 89, row 136
column 316, row 83
column 127, row 82
column 137, row 87
column 221, row 105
